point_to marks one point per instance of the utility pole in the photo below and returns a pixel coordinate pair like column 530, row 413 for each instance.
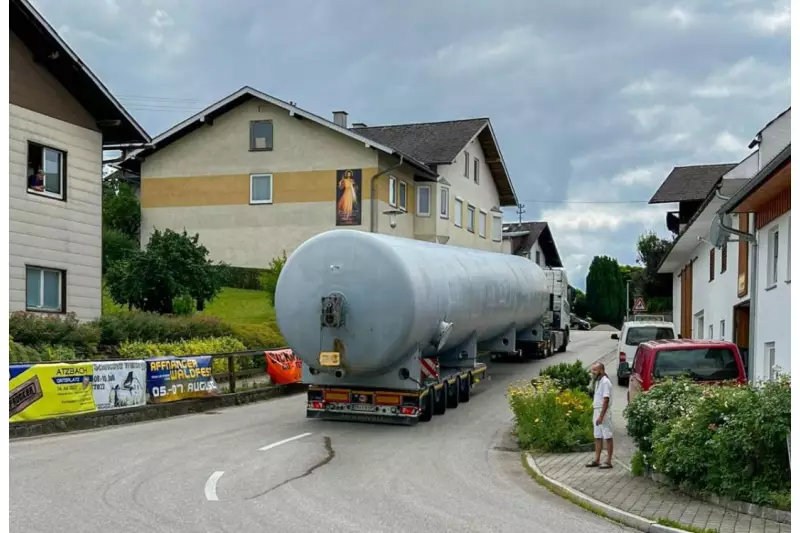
column 627, row 299
column 520, row 211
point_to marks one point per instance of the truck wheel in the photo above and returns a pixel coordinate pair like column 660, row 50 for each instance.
column 563, row 347
column 427, row 405
column 452, row 394
column 465, row 389
column 440, row 400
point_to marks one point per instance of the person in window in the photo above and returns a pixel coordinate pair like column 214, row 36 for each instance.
column 36, row 181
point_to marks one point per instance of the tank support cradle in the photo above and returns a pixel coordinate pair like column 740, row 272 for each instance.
column 504, row 344
column 464, row 355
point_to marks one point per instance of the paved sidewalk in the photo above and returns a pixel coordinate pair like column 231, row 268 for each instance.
column 646, row 498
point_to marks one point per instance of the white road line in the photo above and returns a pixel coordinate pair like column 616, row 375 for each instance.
column 284, row 441
column 211, row 486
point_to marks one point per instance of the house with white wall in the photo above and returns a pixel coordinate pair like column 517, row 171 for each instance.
column 61, row 117
column 533, row 240
column 766, row 200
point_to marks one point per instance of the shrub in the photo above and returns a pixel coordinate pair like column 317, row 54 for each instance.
column 152, row 327
column 662, row 403
column 19, row 353
column 244, row 278
column 568, row 376
column 199, row 346
column 32, row 329
column 269, row 278
column 549, row 419
column 258, row 336
column 184, row 305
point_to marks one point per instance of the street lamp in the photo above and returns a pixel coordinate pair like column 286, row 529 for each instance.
column 393, row 213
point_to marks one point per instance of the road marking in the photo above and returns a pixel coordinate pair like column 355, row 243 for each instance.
column 284, row 441
column 211, row 486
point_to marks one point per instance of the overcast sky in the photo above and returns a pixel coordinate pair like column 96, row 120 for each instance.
column 593, row 102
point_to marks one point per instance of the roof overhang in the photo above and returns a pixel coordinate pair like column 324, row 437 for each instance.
column 764, row 185
column 497, row 166
column 117, row 126
column 221, row 107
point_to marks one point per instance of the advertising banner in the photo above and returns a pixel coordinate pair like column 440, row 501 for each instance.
column 119, row 384
column 38, row 391
column 178, row 378
column 284, row 367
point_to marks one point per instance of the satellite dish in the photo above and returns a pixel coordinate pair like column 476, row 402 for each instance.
column 717, row 234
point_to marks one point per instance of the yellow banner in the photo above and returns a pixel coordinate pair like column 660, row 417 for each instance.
column 50, row 390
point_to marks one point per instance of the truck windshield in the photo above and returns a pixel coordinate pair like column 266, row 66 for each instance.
column 638, row 335
column 701, row 364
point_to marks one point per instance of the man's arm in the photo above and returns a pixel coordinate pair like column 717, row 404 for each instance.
column 606, row 398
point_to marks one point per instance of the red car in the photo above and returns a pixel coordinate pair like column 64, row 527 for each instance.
column 702, row 360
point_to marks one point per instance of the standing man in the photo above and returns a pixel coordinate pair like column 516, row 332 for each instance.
column 602, row 416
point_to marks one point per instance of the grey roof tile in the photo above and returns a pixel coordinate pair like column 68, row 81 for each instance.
column 690, row 183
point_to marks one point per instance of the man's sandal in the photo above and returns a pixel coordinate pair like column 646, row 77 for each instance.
column 605, row 466
column 593, row 464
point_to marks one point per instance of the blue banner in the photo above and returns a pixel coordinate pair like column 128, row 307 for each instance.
column 178, row 378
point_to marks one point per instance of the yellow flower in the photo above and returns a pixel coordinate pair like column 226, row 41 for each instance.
column 536, row 421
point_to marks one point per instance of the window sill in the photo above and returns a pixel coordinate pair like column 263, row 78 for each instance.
column 444, row 217
column 771, row 287
column 456, row 225
column 260, row 149
column 260, row 202
column 44, row 194
column 45, row 311
column 424, row 215
column 788, row 281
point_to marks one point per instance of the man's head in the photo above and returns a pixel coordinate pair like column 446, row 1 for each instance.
column 598, row 370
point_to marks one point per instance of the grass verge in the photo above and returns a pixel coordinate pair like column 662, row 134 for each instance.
column 677, row 525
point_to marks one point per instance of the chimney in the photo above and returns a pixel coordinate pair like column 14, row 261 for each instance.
column 357, row 125
column 340, row 118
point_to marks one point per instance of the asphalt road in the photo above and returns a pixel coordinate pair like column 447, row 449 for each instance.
column 452, row 474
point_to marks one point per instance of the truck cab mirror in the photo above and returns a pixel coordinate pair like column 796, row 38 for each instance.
column 614, row 336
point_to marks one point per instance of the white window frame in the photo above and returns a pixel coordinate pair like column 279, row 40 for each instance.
column 458, row 216
column 722, row 330
column 773, row 256
column 789, row 251
column 466, row 164
column 470, row 218
column 392, row 191
column 62, row 171
column 482, row 220
column 444, row 203
column 699, row 324
column 402, row 196
column 497, row 228
column 711, row 332
column 420, row 211
column 769, row 359
column 476, row 170
column 40, row 308
column 271, row 184
column 538, row 257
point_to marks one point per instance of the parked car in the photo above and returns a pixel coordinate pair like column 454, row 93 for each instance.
column 632, row 335
column 706, row 361
column 579, row 323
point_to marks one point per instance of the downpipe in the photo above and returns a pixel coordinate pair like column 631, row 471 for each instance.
column 751, row 355
column 373, row 201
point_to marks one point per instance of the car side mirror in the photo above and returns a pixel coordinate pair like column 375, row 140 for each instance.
column 614, row 336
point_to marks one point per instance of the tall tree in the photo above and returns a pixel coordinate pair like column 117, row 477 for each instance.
column 651, row 251
column 579, row 306
column 605, row 291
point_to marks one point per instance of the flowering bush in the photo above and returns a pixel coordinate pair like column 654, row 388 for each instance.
column 728, row 440
column 550, row 419
column 568, row 375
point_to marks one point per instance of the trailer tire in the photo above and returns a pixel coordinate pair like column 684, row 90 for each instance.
column 465, row 389
column 440, row 400
column 452, row 394
column 428, row 404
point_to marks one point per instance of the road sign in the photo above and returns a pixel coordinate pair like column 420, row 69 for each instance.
column 638, row 305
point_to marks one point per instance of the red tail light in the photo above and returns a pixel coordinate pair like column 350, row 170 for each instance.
column 408, row 410
column 318, row 405
column 622, row 357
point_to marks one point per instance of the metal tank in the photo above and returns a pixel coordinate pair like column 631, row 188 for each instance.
column 394, row 294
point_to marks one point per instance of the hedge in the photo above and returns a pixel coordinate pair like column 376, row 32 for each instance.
column 727, row 440
column 219, row 345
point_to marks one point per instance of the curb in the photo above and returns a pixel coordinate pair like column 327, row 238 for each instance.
column 148, row 412
column 598, row 507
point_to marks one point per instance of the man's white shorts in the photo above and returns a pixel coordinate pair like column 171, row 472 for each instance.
column 603, row 431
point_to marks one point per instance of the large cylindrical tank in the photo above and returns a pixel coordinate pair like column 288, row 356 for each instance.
column 397, row 292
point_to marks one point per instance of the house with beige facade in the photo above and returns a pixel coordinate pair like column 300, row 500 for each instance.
column 60, row 119
column 256, row 176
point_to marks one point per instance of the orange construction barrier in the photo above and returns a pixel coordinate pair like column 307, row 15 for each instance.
column 284, row 367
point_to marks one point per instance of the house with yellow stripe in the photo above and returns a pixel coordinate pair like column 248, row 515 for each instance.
column 256, row 176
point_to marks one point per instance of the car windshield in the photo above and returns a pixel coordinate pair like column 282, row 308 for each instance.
column 701, row 364
column 640, row 334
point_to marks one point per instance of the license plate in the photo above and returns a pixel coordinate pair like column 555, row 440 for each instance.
column 329, row 358
column 362, row 407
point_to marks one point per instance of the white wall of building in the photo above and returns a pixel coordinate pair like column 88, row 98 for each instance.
column 774, row 138
column 774, row 301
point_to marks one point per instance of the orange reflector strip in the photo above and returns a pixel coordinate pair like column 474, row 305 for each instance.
column 387, row 399
column 337, row 396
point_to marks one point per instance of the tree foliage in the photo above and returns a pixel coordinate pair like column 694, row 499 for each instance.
column 121, row 208
column 579, row 306
column 173, row 265
column 605, row 291
column 652, row 250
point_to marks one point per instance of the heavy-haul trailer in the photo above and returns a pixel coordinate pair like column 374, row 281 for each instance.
column 389, row 329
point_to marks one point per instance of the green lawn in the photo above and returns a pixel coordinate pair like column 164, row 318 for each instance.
column 234, row 306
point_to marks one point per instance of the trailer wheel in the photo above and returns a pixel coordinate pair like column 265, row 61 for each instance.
column 465, row 389
column 452, row 394
column 440, row 400
column 428, row 404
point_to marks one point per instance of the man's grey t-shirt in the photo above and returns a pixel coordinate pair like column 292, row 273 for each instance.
column 602, row 389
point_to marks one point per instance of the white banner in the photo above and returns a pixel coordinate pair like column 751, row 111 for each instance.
column 119, row 384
